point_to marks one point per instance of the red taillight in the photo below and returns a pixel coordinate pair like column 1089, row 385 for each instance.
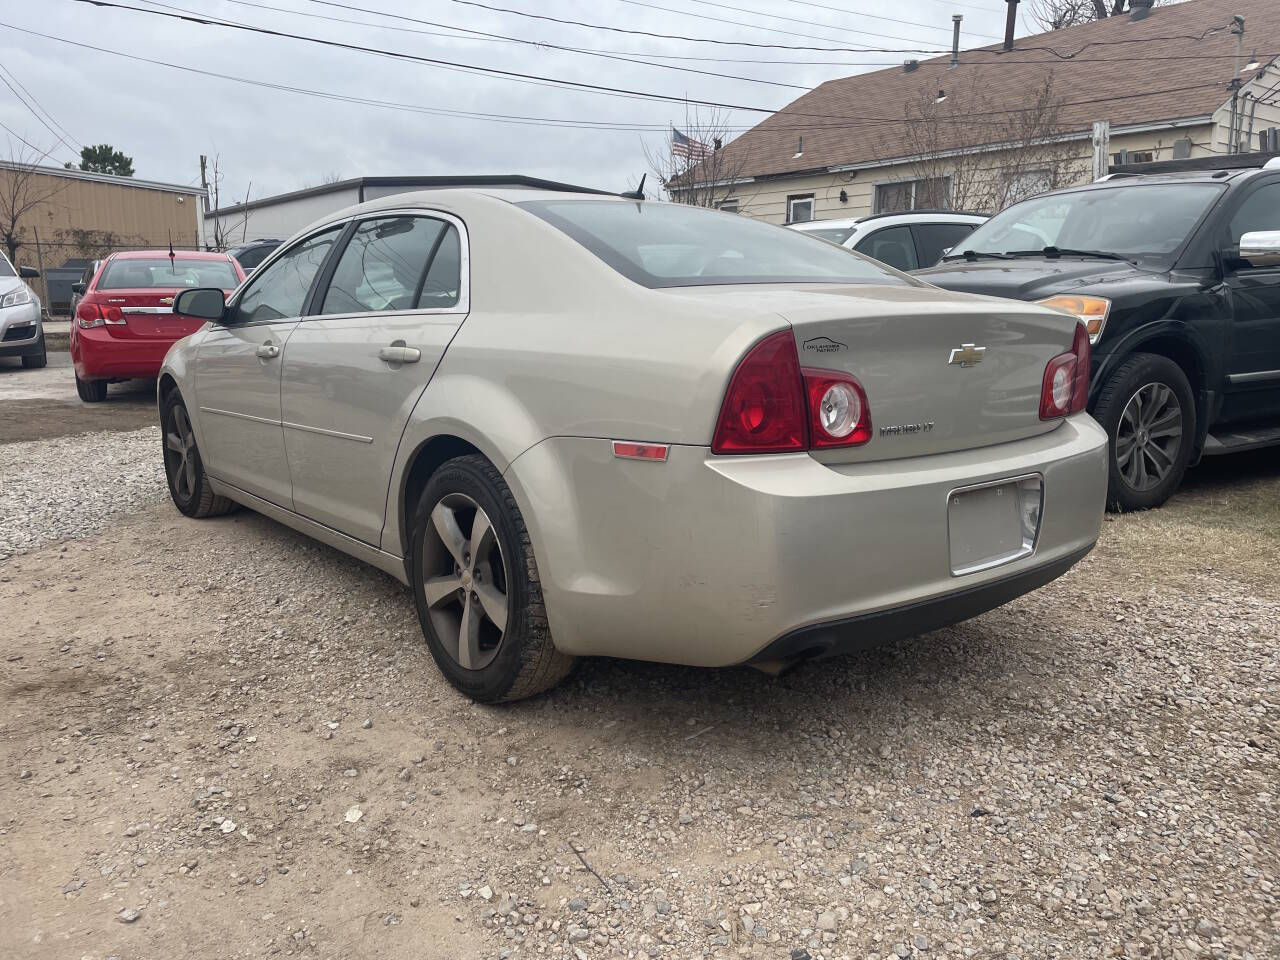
column 839, row 415
column 1065, row 388
column 89, row 314
column 763, row 409
column 772, row 406
column 1081, row 348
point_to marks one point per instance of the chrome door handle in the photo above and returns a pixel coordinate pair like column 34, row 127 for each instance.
column 268, row 351
column 400, row 354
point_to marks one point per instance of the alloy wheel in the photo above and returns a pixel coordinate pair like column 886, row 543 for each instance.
column 180, row 446
column 1148, row 436
column 465, row 581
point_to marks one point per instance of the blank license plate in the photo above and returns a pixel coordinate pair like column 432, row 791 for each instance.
column 993, row 523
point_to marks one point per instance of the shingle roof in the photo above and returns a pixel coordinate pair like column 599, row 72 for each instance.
column 1094, row 76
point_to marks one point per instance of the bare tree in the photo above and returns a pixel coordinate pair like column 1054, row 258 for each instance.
column 699, row 172
column 1019, row 150
column 225, row 228
column 24, row 192
column 1056, row 14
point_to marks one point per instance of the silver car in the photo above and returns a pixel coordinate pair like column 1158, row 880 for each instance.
column 581, row 425
column 21, row 329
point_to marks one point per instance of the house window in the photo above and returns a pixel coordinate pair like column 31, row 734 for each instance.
column 931, row 193
column 800, row 208
column 1132, row 156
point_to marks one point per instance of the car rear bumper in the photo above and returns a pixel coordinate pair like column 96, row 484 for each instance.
column 20, row 330
column 98, row 355
column 712, row 561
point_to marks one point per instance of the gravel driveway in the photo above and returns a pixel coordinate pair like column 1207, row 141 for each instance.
column 222, row 740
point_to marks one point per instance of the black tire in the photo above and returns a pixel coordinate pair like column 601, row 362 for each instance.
column 1135, row 477
column 188, row 484
column 91, row 391
column 524, row 658
column 37, row 360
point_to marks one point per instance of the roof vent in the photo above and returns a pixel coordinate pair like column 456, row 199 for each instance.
column 1139, row 9
column 910, row 66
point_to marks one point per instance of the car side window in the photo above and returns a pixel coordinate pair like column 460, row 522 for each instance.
column 892, row 245
column 1260, row 211
column 933, row 238
column 395, row 263
column 280, row 291
column 440, row 287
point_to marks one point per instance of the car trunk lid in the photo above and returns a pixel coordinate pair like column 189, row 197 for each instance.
column 942, row 371
column 148, row 315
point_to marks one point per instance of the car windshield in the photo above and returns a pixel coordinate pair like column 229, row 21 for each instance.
column 1146, row 223
column 836, row 235
column 670, row 245
column 133, row 273
column 6, row 268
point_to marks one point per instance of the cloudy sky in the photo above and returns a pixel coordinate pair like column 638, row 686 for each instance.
column 272, row 140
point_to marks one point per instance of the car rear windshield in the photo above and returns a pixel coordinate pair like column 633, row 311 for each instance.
column 670, row 245
column 1143, row 222
column 138, row 273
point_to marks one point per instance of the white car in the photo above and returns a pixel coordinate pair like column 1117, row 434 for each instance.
column 583, row 425
column 21, row 332
column 907, row 241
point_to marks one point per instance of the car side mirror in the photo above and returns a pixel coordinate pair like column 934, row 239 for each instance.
column 78, row 288
column 28, row 273
column 203, row 303
column 1260, row 248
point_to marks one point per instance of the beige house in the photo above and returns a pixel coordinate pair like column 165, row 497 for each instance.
column 55, row 214
column 1000, row 125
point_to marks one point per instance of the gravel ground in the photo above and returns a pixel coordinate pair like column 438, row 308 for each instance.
column 221, row 739
column 52, row 490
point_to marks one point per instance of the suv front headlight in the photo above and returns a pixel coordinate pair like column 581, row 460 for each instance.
column 16, row 298
column 1091, row 311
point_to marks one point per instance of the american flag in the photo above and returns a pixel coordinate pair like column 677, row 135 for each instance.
column 694, row 151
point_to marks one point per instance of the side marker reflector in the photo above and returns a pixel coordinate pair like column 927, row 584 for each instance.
column 628, row 450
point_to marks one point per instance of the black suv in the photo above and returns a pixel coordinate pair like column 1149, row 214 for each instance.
column 250, row 255
column 1177, row 276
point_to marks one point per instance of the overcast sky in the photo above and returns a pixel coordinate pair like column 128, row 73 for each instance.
column 279, row 141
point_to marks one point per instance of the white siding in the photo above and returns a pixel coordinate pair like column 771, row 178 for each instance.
column 283, row 218
column 767, row 200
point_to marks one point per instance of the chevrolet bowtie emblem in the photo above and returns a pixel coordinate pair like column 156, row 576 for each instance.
column 967, row 355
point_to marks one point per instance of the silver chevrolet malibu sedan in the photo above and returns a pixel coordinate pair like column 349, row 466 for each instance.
column 577, row 424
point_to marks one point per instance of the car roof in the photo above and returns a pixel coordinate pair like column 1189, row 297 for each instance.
column 178, row 254
column 914, row 216
column 1119, row 180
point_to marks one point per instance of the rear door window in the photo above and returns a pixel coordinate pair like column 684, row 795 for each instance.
column 934, row 238
column 396, row 263
column 892, row 245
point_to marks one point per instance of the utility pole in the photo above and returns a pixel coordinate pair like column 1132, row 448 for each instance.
column 1010, row 22
column 1101, row 148
column 1233, row 139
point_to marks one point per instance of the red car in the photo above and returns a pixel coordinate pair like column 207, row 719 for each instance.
column 125, row 323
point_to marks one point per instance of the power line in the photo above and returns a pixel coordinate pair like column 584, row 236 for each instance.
column 829, row 119
column 32, row 110
column 672, row 36
column 480, row 34
column 873, row 16
column 756, row 26
column 915, row 23
column 30, row 96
